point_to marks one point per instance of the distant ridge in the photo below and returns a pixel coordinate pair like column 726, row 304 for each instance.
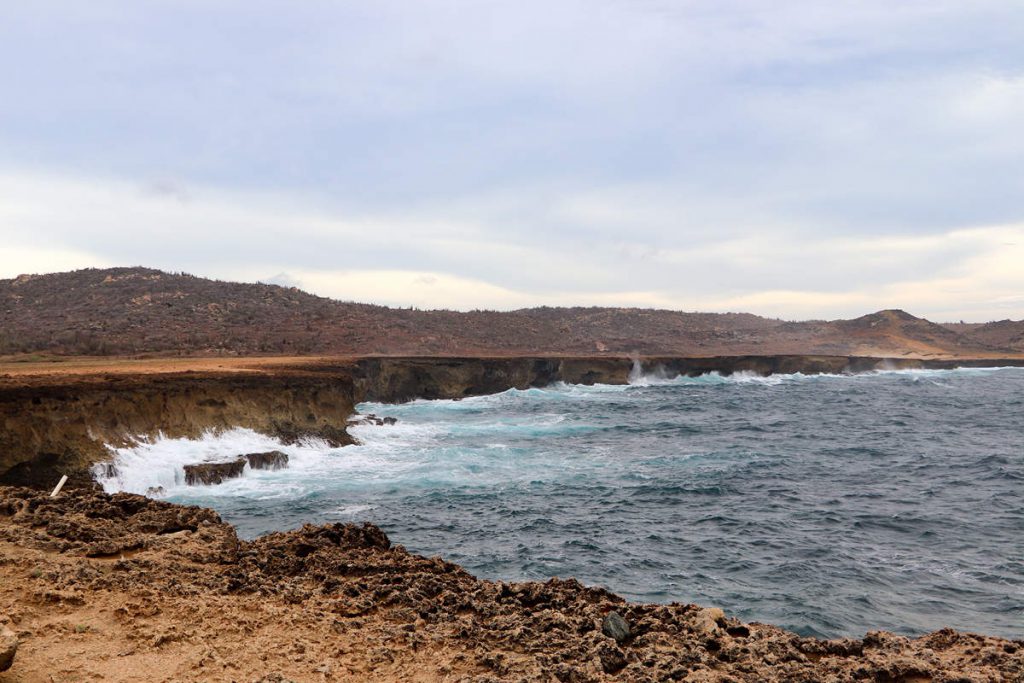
column 125, row 311
column 1001, row 333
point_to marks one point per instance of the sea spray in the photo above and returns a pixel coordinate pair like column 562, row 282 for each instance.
column 638, row 376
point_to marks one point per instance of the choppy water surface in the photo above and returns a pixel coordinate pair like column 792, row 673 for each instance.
column 830, row 505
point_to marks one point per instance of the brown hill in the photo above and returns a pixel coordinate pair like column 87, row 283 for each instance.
column 124, row 311
column 899, row 328
column 1001, row 333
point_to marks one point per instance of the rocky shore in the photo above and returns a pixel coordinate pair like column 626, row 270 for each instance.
column 124, row 588
column 61, row 421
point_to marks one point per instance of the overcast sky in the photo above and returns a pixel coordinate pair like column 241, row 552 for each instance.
column 793, row 159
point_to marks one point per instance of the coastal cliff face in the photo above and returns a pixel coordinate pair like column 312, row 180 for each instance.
column 394, row 380
column 58, row 424
column 63, row 428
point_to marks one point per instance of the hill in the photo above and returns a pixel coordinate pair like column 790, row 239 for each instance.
column 125, row 311
column 1001, row 333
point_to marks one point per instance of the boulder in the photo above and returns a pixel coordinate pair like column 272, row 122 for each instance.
column 270, row 460
column 612, row 659
column 8, row 646
column 207, row 473
column 615, row 627
column 371, row 419
column 709, row 619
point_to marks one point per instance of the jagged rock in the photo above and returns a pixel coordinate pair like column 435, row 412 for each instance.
column 291, row 433
column 372, row 419
column 615, row 627
column 612, row 658
column 8, row 647
column 350, row 581
column 207, row 473
column 707, row 620
column 270, row 460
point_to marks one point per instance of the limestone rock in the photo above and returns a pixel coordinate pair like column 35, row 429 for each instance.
column 270, row 460
column 708, row 618
column 208, row 473
column 8, row 647
column 612, row 658
column 371, row 419
column 343, row 584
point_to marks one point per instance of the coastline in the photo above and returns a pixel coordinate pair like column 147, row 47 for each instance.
column 127, row 588
column 60, row 418
column 117, row 585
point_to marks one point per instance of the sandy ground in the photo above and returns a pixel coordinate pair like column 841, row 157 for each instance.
column 117, row 366
column 143, row 614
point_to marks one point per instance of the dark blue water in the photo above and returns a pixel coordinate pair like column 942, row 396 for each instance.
column 828, row 505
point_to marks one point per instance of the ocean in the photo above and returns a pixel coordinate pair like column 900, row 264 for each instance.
column 829, row 505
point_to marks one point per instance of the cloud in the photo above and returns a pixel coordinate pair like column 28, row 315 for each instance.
column 421, row 260
column 795, row 158
column 19, row 260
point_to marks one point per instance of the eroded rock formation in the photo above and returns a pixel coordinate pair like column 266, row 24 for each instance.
column 270, row 460
column 210, row 473
column 51, row 426
column 8, row 647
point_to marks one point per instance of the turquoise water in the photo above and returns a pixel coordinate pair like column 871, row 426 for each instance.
column 829, row 505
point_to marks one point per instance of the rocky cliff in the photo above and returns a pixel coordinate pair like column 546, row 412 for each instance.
column 55, row 427
column 56, row 424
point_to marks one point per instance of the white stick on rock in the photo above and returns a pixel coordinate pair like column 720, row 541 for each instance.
column 60, row 485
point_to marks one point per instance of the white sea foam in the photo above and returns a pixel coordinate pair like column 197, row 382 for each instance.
column 658, row 376
column 350, row 510
column 407, row 454
column 159, row 464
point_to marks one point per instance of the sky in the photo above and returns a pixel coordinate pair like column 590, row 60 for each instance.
column 787, row 158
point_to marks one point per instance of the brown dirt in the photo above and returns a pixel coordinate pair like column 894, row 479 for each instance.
column 13, row 370
column 124, row 588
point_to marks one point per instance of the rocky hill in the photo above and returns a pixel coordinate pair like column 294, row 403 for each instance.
column 125, row 311
column 1001, row 333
